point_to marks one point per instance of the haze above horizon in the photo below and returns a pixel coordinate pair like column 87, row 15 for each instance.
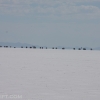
column 51, row 22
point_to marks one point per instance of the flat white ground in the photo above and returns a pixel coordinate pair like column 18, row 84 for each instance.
column 49, row 74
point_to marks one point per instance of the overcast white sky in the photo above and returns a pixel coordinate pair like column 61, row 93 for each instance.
column 51, row 22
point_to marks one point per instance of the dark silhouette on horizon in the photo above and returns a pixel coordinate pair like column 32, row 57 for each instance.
column 34, row 47
column 84, row 48
column 91, row 49
column 79, row 48
column 63, row 48
column 73, row 48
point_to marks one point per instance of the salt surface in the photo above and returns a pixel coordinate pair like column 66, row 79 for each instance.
column 49, row 74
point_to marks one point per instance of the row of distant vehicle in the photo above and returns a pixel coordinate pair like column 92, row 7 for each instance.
column 82, row 48
column 31, row 47
column 34, row 47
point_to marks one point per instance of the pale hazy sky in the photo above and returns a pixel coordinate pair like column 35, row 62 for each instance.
column 51, row 22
